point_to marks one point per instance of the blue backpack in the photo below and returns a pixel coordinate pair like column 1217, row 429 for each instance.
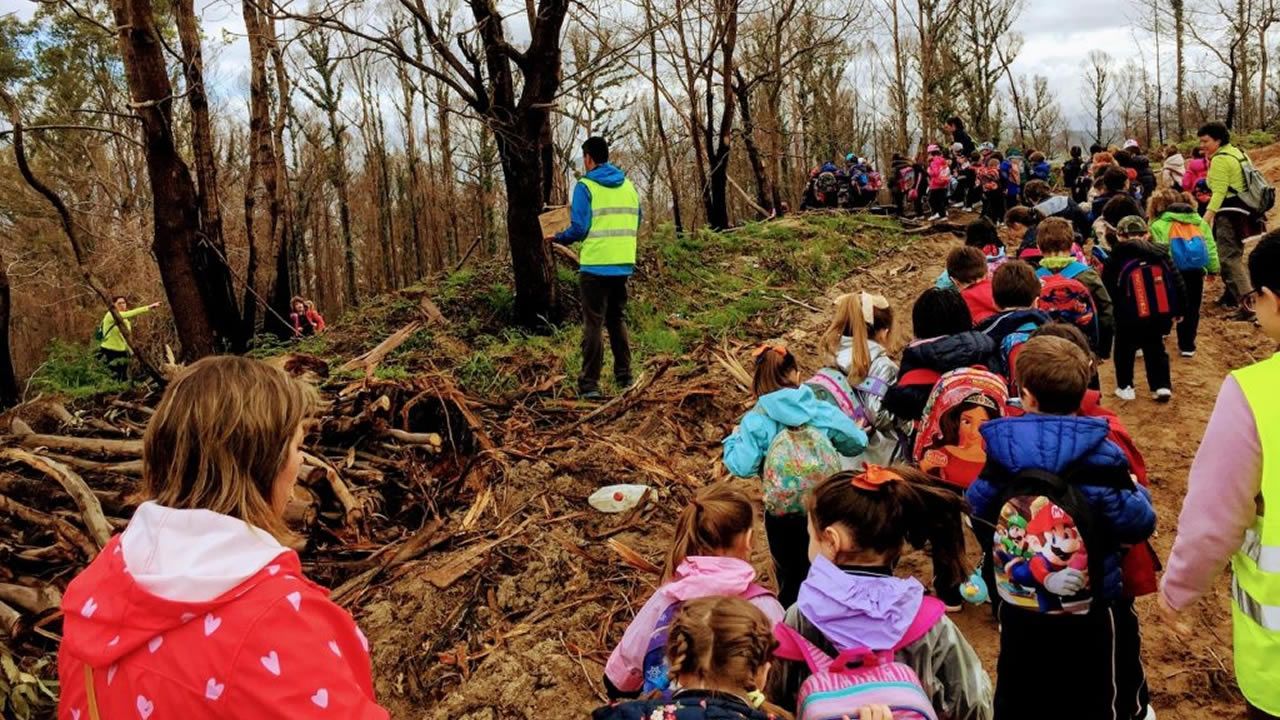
column 657, row 673
column 1187, row 245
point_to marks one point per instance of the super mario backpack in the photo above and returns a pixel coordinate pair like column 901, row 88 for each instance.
column 798, row 460
column 1147, row 293
column 1188, row 247
column 657, row 671
column 837, row 687
column 831, row 385
column 1065, row 299
column 1048, row 546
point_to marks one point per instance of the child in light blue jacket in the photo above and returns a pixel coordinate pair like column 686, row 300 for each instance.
column 793, row 441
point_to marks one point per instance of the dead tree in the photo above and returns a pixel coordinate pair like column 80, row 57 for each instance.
column 9, row 394
column 1099, row 82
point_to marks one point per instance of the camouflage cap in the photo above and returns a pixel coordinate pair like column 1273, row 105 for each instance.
column 1132, row 225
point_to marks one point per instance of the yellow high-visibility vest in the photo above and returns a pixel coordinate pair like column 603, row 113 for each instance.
column 615, row 221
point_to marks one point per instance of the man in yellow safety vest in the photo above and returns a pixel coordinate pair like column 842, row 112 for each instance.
column 1232, row 508
column 605, row 216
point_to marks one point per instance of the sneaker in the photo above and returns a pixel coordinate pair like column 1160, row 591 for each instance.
column 951, row 598
column 935, row 216
column 1163, row 395
column 1139, row 353
column 968, row 208
column 623, row 384
column 1126, row 393
column 590, row 395
column 956, row 204
column 1188, row 353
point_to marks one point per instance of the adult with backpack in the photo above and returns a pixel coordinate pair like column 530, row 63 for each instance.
column 1241, row 198
column 1148, row 294
column 792, row 441
column 1176, row 226
column 112, row 348
column 1234, row 478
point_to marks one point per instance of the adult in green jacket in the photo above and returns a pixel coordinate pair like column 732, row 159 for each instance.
column 1232, row 221
column 113, row 349
column 1169, row 208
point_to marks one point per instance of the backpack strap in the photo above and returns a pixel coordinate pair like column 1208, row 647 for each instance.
column 794, row 646
column 920, row 376
column 873, row 386
column 826, row 382
column 930, row 614
column 756, row 590
column 1074, row 270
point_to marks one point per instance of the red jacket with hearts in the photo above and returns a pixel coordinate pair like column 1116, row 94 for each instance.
column 190, row 615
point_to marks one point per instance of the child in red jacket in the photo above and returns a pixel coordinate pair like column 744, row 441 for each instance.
column 967, row 268
column 939, row 183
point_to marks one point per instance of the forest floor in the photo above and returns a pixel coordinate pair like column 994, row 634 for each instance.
column 487, row 586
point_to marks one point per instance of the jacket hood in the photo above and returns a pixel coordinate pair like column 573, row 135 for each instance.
column 853, row 610
column 166, row 569
column 1175, row 161
column 792, row 407
column 1053, row 205
column 607, row 175
column 1138, row 250
column 950, row 352
column 704, row 575
column 1050, row 442
column 1006, row 322
column 1181, row 212
column 844, row 357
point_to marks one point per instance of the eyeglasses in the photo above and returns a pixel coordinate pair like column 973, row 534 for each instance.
column 1249, row 301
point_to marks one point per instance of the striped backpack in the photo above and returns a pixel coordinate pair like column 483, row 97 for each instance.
column 837, row 687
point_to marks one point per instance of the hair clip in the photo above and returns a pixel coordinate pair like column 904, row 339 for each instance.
column 756, row 698
column 873, row 476
column 759, row 352
column 870, row 303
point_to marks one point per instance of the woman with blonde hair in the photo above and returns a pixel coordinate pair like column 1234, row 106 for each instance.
column 199, row 608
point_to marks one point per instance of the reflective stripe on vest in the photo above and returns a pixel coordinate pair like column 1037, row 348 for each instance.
column 1255, row 587
column 615, row 220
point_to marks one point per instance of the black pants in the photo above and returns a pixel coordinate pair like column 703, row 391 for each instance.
column 604, row 300
column 1190, row 324
column 993, row 206
column 938, row 201
column 1100, row 652
column 1150, row 340
column 1229, row 232
column 117, row 361
column 789, row 545
column 963, row 185
column 1256, row 714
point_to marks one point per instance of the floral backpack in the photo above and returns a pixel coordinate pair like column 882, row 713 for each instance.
column 798, row 459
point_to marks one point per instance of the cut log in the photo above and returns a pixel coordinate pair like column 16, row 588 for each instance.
column 432, row 441
column 370, row 360
column 33, row 600
column 301, row 511
column 76, row 444
column 63, row 529
column 431, row 312
column 133, row 406
column 90, row 508
column 352, row 507
column 132, row 468
column 9, row 620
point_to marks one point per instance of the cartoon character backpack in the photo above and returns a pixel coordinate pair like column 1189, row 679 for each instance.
column 833, row 386
column 798, row 459
column 906, row 179
column 952, row 389
column 657, row 675
column 837, row 687
column 1047, row 544
column 1186, row 243
column 1147, row 293
column 1067, row 300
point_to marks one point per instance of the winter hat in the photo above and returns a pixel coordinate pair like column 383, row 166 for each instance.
column 987, row 147
column 933, row 149
column 850, row 157
column 957, row 147
column 1131, row 143
column 1132, row 225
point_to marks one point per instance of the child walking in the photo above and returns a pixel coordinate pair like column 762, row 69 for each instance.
column 991, row 184
column 792, row 440
column 1016, row 290
column 1148, row 293
column 858, row 525
column 939, row 183
column 1176, row 225
column 1060, row 507
column 1072, row 291
column 860, row 371
column 710, row 556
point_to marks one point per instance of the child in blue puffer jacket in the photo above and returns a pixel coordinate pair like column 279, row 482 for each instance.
column 1060, row 505
column 793, row 441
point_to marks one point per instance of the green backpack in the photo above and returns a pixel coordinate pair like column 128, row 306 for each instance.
column 798, row 459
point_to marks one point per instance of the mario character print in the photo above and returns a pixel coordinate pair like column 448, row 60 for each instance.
column 1040, row 558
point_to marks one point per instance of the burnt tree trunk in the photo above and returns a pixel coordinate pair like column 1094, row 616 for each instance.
column 9, row 394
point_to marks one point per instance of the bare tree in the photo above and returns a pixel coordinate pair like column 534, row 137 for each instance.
column 1099, row 82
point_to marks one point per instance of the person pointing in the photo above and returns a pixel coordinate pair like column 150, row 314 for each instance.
column 112, row 348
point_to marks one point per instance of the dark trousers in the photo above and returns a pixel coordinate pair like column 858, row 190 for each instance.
column 1190, row 325
column 1100, row 651
column 993, row 206
column 1256, row 714
column 789, row 545
column 117, row 361
column 1228, row 232
column 938, row 201
column 1150, row 340
column 604, row 300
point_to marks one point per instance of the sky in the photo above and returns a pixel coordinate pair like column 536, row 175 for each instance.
column 1057, row 35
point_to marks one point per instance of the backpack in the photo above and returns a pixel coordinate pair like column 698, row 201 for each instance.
column 826, row 183
column 798, row 459
column 98, row 335
column 1015, row 171
column 1048, row 546
column 1257, row 193
column 906, row 178
column 952, row 389
column 1146, row 293
column 657, row 676
column 1067, row 300
column 852, row 401
column 1187, row 245
column 837, row 687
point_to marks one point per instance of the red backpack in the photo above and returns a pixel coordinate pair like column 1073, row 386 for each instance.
column 1146, row 292
column 1067, row 300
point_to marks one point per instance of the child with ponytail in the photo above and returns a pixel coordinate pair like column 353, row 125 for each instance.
column 858, row 525
column 709, row 557
column 719, row 656
column 859, row 371
column 792, row 440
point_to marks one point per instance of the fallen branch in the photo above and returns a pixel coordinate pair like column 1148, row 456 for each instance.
column 9, row 620
column 31, row 439
column 60, row 527
column 354, row 509
column 433, row 441
column 801, row 303
column 132, row 468
column 90, row 508
column 133, row 406
column 34, row 600
column 565, row 252
column 370, row 360
column 420, row 542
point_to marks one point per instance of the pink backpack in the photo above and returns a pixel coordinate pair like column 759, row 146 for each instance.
column 837, row 687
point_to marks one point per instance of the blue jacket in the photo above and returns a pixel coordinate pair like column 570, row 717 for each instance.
column 1041, row 171
column 744, row 450
column 1051, row 442
column 686, row 705
column 580, row 216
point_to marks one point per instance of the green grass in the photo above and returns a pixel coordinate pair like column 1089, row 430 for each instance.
column 76, row 372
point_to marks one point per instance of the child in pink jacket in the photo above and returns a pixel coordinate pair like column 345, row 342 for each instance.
column 939, row 182
column 709, row 557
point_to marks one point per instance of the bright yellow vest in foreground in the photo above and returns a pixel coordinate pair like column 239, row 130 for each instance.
column 1255, row 587
column 615, row 220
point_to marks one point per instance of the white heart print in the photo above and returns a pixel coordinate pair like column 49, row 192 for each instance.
column 213, row 689
column 273, row 569
column 145, row 707
column 154, row 643
column 188, row 617
column 211, row 624
column 295, row 599
column 364, row 641
column 271, row 661
column 75, row 714
column 113, row 641
column 111, row 674
column 90, row 607
column 333, row 647
column 321, row 698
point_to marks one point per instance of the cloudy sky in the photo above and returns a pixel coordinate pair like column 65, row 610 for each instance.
column 1058, row 36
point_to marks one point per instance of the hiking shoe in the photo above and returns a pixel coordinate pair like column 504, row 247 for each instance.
column 590, row 395
column 951, row 598
column 1126, row 393
column 623, row 384
column 935, row 216
column 1163, row 395
column 1188, row 353
column 1227, row 300
column 1139, row 353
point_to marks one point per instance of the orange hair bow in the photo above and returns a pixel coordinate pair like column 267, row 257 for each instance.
column 873, row 476
column 760, row 351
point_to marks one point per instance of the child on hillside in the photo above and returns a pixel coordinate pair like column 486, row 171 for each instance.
column 1197, row 170
column 1040, row 196
column 1056, row 551
column 792, row 440
column 992, row 185
column 858, row 524
column 1016, row 290
column 1013, row 173
column 1148, row 293
column 1072, row 170
column 945, row 341
column 1020, row 225
column 981, row 233
column 718, row 657
column 966, row 176
column 1059, row 296
column 710, row 556
column 1176, row 225
column 967, row 271
column 859, row 371
column 1173, row 169
column 1115, row 183
column 1040, row 169
column 939, row 183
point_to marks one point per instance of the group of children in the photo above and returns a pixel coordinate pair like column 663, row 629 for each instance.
column 952, row 177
